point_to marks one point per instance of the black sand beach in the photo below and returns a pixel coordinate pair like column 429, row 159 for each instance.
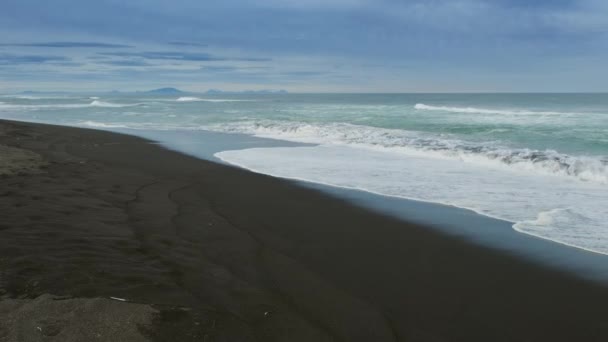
column 204, row 252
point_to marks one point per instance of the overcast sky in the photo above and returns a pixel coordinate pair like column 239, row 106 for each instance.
column 305, row 45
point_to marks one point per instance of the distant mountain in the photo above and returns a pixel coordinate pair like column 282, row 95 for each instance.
column 165, row 91
column 217, row 91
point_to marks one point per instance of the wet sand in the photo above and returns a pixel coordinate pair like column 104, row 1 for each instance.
column 206, row 252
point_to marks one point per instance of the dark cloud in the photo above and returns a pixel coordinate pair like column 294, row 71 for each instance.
column 252, row 59
column 540, row 4
column 179, row 56
column 67, row 64
column 68, row 45
column 219, row 68
column 126, row 63
column 187, row 44
column 167, row 55
column 225, row 68
column 8, row 59
column 305, row 73
column 97, row 57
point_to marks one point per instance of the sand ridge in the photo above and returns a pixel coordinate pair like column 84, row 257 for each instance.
column 16, row 160
column 51, row 318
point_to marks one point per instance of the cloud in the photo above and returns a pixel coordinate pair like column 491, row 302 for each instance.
column 9, row 59
column 127, row 63
column 97, row 57
column 432, row 38
column 68, row 45
column 219, row 68
column 180, row 56
column 167, row 55
column 251, row 59
column 227, row 68
column 176, row 43
column 315, row 4
column 67, row 64
column 305, row 73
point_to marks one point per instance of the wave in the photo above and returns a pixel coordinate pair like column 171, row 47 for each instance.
column 547, row 162
column 138, row 125
column 39, row 107
column 569, row 226
column 473, row 110
column 188, row 99
column 101, row 124
column 569, row 213
column 27, row 97
column 31, row 97
column 95, row 103
column 198, row 99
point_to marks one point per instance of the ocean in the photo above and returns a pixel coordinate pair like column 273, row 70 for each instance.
column 539, row 161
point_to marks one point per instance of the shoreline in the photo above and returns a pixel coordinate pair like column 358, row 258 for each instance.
column 262, row 257
column 472, row 225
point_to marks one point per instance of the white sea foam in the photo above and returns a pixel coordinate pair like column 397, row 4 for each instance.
column 532, row 202
column 26, row 97
column 473, row 110
column 18, row 107
column 546, row 162
column 137, row 125
column 101, row 124
column 558, row 195
column 32, row 97
column 188, row 99
column 579, row 225
column 198, row 99
column 95, row 103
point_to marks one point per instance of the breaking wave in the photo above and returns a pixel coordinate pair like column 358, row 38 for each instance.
column 95, row 103
column 548, row 162
column 31, row 97
column 101, row 124
column 188, row 99
column 473, row 110
column 198, row 99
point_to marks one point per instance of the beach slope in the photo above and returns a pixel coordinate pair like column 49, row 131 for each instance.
column 205, row 252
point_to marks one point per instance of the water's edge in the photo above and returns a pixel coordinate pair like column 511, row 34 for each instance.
column 480, row 229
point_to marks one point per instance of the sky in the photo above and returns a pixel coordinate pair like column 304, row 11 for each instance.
column 305, row 45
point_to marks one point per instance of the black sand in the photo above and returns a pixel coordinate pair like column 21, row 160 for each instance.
column 222, row 254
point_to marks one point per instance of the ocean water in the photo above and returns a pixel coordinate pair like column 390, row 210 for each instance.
column 539, row 161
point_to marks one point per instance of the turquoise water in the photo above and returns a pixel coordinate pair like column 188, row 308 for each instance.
column 539, row 161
